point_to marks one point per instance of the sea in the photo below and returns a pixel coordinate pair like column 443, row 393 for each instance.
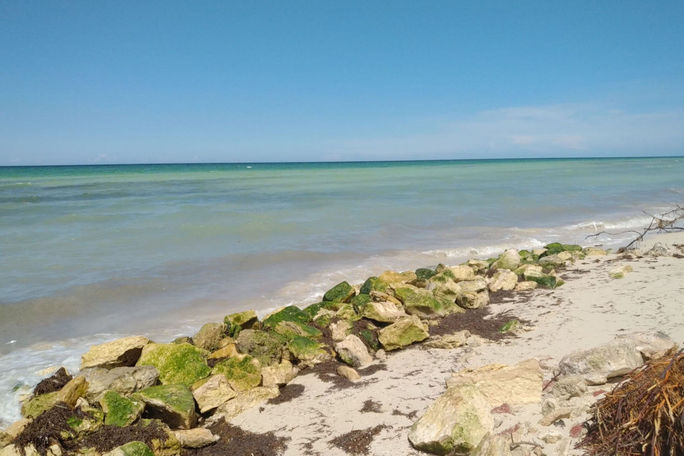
column 92, row 253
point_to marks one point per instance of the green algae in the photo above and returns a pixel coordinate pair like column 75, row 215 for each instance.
column 242, row 372
column 342, row 292
column 177, row 363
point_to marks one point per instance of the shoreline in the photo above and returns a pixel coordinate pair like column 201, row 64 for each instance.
column 569, row 315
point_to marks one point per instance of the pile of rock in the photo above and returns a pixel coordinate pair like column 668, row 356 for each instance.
column 230, row 366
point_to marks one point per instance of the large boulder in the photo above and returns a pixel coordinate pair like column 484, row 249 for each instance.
column 651, row 345
column 209, row 336
column 353, row 352
column 340, row 329
column 342, row 292
column 120, row 410
column 278, row 374
column 601, row 363
column 503, row 279
column 173, row 404
column 420, row 302
column 120, row 352
column 242, row 372
column 176, row 363
column 307, row 350
column 456, row 422
column 236, row 322
column 395, row 279
column 267, row 347
column 384, row 312
column 123, row 380
column 510, row 259
column 403, row 332
column 374, row 284
column 517, row 384
column 474, row 294
column 461, row 273
column 211, row 392
column 245, row 401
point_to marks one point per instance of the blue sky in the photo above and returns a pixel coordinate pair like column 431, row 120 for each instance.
column 169, row 81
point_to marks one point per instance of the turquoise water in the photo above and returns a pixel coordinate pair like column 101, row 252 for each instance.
column 90, row 252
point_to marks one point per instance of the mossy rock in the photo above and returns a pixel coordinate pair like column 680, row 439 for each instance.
column 556, row 247
column 307, row 350
column 323, row 321
column 173, row 404
column 543, row 280
column 177, row 363
column 36, row 405
column 236, row 322
column 420, row 302
column 374, row 284
column 342, row 292
column 266, row 346
column 444, row 276
column 347, row 312
column 289, row 313
column 209, row 336
column 135, row 448
column 289, row 329
column 312, row 310
column 402, row 333
column 120, row 410
column 424, row 274
column 242, row 372
column 510, row 326
column 359, row 301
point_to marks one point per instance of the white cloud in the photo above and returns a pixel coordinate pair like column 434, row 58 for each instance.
column 550, row 130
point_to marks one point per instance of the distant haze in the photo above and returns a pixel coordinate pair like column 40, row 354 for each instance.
column 219, row 81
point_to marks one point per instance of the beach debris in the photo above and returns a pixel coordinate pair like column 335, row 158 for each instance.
column 353, row 352
column 516, row 384
column 402, row 333
column 643, row 414
column 68, row 394
column 455, row 422
column 658, row 250
column 124, row 380
column 120, row 352
column 211, row 392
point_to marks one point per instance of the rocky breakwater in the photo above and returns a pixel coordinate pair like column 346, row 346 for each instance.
column 133, row 396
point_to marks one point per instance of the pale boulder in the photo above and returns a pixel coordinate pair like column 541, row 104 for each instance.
column 340, row 329
column 462, row 272
column 526, row 285
column 278, row 374
column 353, row 352
column 245, row 401
column 348, row 372
column 493, row 445
column 601, row 363
column 195, row 438
column 650, row 344
column 124, row 380
column 510, row 259
column 503, row 279
column 120, row 352
column 212, row 392
column 448, row 341
column 384, row 312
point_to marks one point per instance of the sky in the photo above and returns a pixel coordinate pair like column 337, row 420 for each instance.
column 85, row 82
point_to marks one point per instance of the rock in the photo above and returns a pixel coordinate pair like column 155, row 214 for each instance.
column 353, row 352
column 342, row 292
column 510, row 259
column 173, row 404
column 209, row 336
column 75, row 388
column 120, row 410
column 395, row 279
column 381, row 355
column 651, row 345
column 123, row 380
column 555, row 260
column 176, row 363
column 595, row 251
column 420, row 302
column 503, row 279
column 307, row 350
column 555, row 415
column 36, row 405
column 457, row 421
column 533, row 269
column 135, row 448
column 598, row 364
column 340, row 329
column 278, row 374
column 182, row 340
column 236, row 322
column 543, row 280
column 347, row 312
column 267, row 347
column 478, row 266
column 243, row 372
column 473, row 300
column 120, row 352
column 526, row 285
column 245, row 401
column 473, row 286
column 620, row 271
column 348, row 372
column 12, row 431
column 290, row 313
column 228, row 351
column 195, row 438
column 569, row 386
column 659, row 250
column 555, row 248
column 384, row 312
column 462, row 273
column 517, row 384
column 211, row 392
column 55, row 382
column 290, row 329
column 448, row 341
column 402, row 333
column 11, row 450
column 373, row 284
column 493, row 445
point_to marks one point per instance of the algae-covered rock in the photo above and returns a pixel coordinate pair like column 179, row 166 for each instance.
column 123, row 380
column 456, row 422
column 510, row 259
column 353, row 352
column 36, row 405
column 267, row 347
column 135, row 448
column 360, row 300
column 211, row 392
column 347, row 312
column 374, row 284
column 424, row 274
column 176, row 363
column 384, row 312
column 556, row 247
column 120, row 410
column 307, row 350
column 236, row 322
column 290, row 329
column 120, row 352
column 228, row 351
column 403, row 332
column 342, row 292
column 209, row 336
column 242, row 372
column 418, row 301
column 289, row 313
column 173, row 404
column 543, row 280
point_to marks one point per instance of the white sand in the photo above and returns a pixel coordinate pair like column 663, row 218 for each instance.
column 590, row 309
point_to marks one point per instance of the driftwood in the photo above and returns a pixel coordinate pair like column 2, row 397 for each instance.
column 667, row 222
